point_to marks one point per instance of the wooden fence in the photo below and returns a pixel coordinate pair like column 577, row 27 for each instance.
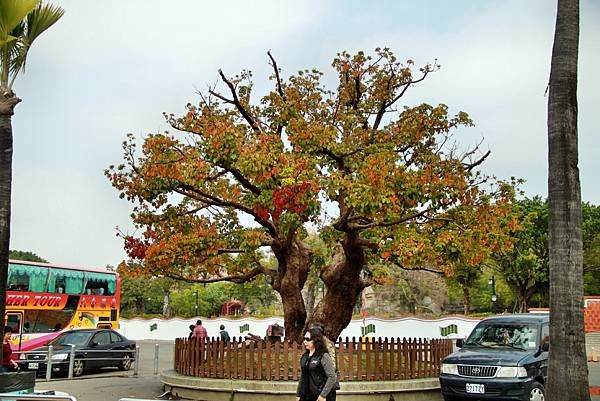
column 382, row 359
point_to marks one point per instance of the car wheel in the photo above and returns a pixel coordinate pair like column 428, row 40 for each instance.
column 125, row 364
column 537, row 392
column 78, row 367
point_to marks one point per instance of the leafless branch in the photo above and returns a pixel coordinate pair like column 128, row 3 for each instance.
column 236, row 102
column 476, row 163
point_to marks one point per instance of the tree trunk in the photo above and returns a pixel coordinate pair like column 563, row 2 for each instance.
column 567, row 353
column 334, row 311
column 345, row 278
column 8, row 101
column 294, row 265
column 466, row 300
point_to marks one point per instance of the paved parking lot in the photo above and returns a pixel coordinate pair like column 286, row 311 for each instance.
column 112, row 385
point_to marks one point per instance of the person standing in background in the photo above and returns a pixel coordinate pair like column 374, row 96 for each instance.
column 199, row 331
column 223, row 333
column 7, row 363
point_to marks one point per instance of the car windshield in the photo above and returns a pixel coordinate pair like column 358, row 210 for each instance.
column 72, row 337
column 514, row 335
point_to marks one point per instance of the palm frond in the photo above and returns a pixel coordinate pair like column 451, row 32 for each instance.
column 12, row 13
column 42, row 18
column 14, row 53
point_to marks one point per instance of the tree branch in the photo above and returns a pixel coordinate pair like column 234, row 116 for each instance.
column 427, row 269
column 476, row 163
column 279, row 87
column 236, row 102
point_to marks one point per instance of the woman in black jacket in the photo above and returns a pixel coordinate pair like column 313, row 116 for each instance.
column 318, row 379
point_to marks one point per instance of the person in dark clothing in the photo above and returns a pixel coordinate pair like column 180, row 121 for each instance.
column 223, row 333
column 318, row 380
column 192, row 327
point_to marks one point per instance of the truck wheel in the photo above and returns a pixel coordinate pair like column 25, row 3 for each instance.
column 537, row 392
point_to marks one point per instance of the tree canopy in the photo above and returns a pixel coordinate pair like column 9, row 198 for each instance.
column 26, row 256
column 239, row 179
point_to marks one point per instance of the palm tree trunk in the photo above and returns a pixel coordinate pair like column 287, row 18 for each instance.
column 567, row 353
column 8, row 101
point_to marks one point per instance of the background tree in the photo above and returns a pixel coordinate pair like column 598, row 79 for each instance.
column 26, row 256
column 382, row 185
column 143, row 295
column 564, row 199
column 524, row 267
column 21, row 22
column 466, row 277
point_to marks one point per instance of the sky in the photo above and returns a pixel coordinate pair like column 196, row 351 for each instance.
column 112, row 67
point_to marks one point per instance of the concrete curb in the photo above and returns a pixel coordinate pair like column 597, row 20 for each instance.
column 250, row 390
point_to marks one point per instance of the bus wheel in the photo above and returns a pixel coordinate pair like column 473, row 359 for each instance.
column 125, row 364
column 78, row 367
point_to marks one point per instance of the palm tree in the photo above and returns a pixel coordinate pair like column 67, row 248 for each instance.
column 567, row 372
column 21, row 22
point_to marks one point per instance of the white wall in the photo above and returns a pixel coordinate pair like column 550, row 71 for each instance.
column 140, row 329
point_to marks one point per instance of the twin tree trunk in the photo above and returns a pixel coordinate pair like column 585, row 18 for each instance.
column 567, row 372
column 343, row 283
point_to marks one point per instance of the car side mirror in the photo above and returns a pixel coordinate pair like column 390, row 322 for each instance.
column 459, row 342
column 93, row 344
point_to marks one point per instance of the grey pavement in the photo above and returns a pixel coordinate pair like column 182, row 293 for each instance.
column 594, row 377
column 112, row 385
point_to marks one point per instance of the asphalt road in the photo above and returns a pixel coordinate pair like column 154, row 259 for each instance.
column 112, row 384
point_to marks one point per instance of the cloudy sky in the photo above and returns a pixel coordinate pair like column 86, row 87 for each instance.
column 111, row 67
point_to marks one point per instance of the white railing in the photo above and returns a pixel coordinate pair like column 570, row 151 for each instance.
column 36, row 397
column 73, row 356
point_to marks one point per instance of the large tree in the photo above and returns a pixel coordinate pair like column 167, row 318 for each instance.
column 567, row 372
column 381, row 184
column 21, row 22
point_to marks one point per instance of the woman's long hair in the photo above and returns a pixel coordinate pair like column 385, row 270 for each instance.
column 316, row 336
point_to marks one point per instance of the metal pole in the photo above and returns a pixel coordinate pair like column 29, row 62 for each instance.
column 49, row 363
column 155, row 359
column 136, row 365
column 71, row 361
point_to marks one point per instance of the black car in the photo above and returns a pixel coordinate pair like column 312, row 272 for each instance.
column 504, row 358
column 94, row 348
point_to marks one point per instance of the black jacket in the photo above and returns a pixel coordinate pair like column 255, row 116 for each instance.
column 317, row 376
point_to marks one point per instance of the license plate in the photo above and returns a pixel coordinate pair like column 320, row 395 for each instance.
column 33, row 365
column 475, row 388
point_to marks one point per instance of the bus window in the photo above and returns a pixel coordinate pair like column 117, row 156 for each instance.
column 100, row 283
column 26, row 277
column 65, row 281
column 41, row 321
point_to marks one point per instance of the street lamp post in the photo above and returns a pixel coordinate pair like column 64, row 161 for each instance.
column 492, row 282
column 196, row 305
